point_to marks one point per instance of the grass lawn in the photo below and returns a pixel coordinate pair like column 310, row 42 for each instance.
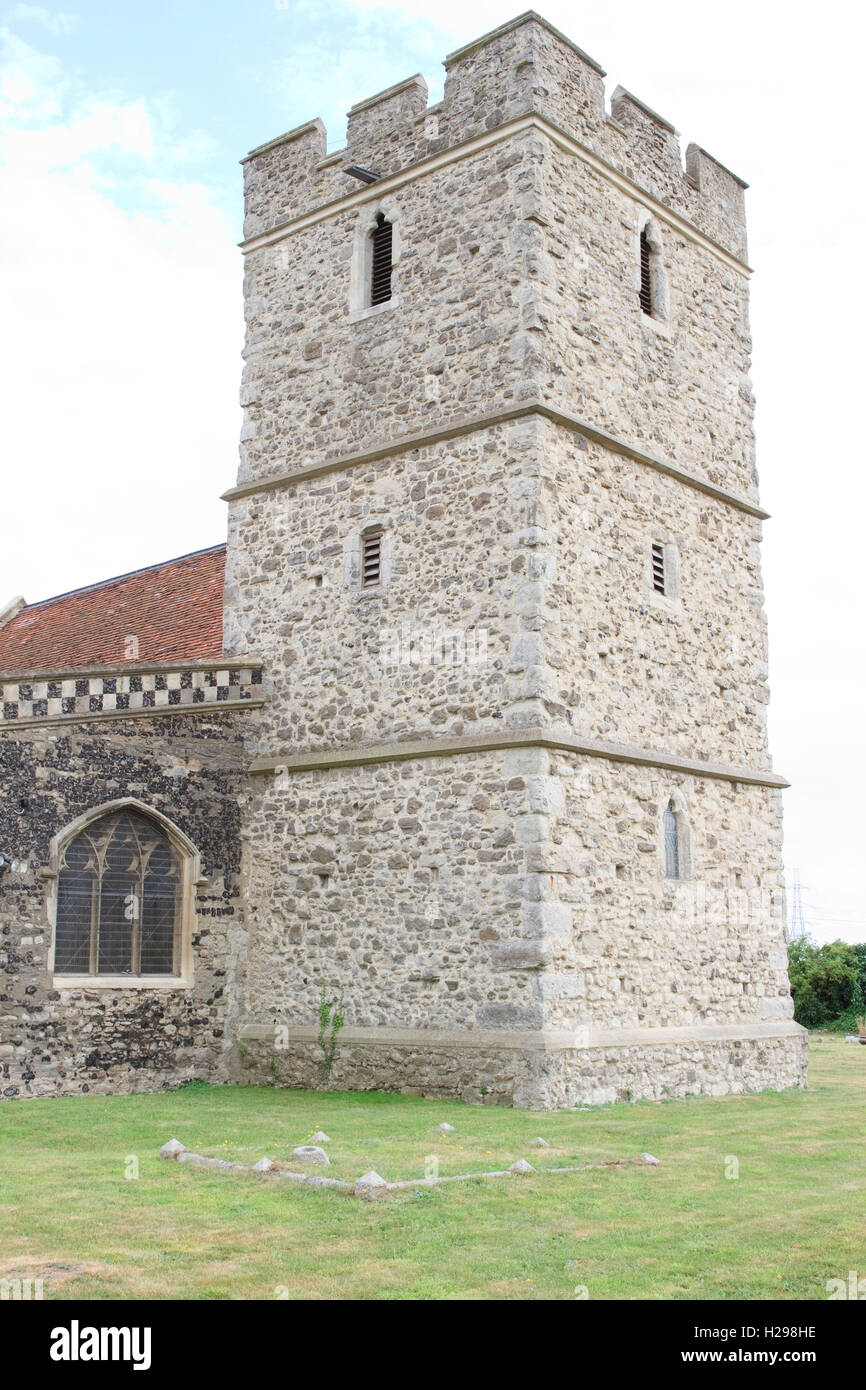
column 793, row 1218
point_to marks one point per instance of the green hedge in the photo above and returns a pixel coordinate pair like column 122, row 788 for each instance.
column 828, row 983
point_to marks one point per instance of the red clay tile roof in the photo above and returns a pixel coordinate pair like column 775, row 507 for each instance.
column 175, row 610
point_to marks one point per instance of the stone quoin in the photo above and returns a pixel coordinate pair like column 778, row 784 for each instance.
column 467, row 719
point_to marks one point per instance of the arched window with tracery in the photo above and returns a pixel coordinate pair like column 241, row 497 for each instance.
column 120, row 898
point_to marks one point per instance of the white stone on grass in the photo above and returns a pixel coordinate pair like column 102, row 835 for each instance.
column 205, row 1161
column 320, row 1137
column 370, row 1184
column 264, row 1165
column 540, row 1143
column 648, row 1158
column 172, row 1149
column 445, row 1128
column 521, row 1166
column 310, row 1153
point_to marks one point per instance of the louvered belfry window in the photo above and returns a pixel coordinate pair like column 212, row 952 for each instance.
column 646, row 290
column 672, row 842
column 119, row 900
column 658, row 560
column 371, row 560
column 380, row 276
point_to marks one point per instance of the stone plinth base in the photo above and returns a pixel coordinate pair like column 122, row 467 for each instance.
column 534, row 1071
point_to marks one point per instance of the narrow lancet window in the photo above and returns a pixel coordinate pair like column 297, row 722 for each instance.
column 646, row 287
column 658, row 565
column 380, row 273
column 672, row 842
column 371, row 560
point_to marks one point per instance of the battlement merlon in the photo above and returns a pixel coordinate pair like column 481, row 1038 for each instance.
column 373, row 121
column 523, row 68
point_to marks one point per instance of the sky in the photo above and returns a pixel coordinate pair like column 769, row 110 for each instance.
column 121, row 127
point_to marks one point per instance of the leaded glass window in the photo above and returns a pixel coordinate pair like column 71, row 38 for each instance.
column 119, row 900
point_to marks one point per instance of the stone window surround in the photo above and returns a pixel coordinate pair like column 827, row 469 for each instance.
column 192, row 878
column 352, row 558
column 677, row 802
column 660, row 317
column 362, row 259
column 670, row 599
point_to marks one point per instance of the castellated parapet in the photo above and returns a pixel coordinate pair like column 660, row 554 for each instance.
column 519, row 198
column 546, row 427
column 524, row 68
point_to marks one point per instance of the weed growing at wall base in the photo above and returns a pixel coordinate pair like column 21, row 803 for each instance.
column 331, row 1020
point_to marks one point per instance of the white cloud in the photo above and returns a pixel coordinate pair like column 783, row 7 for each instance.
column 54, row 22
column 122, row 331
column 32, row 84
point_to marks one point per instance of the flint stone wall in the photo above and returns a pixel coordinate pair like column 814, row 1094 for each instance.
column 99, row 1040
column 646, row 951
column 534, row 1078
column 533, row 545
column 504, row 287
column 716, row 1068
column 397, row 881
column 451, row 341
column 460, row 521
column 685, row 672
column 512, row 889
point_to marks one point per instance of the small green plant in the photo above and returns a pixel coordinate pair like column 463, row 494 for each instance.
column 331, row 1020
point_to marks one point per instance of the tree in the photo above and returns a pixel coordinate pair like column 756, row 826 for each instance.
column 828, row 982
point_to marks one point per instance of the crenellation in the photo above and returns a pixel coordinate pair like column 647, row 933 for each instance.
column 721, row 189
column 282, row 177
column 523, row 69
column 651, row 149
column 529, row 17
column 525, row 66
column 627, row 110
column 382, row 131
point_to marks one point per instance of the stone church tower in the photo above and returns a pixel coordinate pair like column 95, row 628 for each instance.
column 467, row 720
column 495, row 538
